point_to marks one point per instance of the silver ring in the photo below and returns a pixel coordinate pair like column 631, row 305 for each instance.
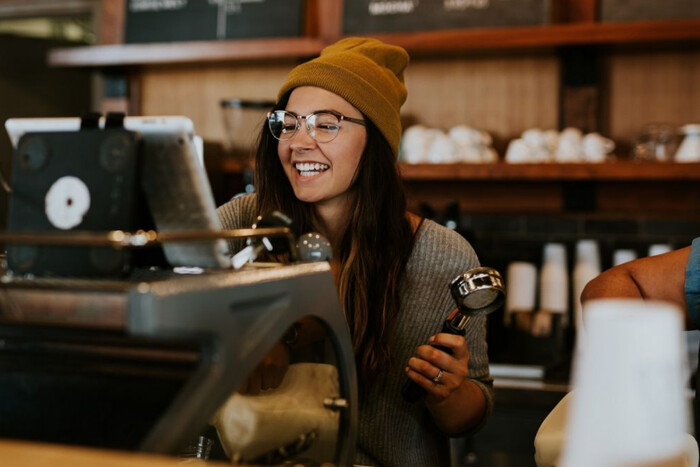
column 438, row 377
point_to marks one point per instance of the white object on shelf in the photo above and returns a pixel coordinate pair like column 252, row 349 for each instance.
column 587, row 267
column 521, row 288
column 659, row 249
column 689, row 150
column 511, row 370
column 554, row 279
column 461, row 144
column 595, row 147
column 622, row 256
column 569, row 145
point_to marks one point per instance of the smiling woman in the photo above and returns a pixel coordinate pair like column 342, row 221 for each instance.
column 327, row 158
column 321, row 165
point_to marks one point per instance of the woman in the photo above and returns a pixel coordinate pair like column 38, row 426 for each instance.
column 327, row 159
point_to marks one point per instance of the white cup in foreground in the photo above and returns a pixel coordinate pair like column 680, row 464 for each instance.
column 629, row 405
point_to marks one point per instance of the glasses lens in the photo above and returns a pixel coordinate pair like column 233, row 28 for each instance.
column 323, row 127
column 282, row 124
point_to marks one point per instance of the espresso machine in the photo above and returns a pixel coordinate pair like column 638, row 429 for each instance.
column 105, row 345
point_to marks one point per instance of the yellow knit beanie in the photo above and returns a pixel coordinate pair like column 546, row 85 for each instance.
column 365, row 72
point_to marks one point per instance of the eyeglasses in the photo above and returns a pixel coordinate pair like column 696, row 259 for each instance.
column 322, row 125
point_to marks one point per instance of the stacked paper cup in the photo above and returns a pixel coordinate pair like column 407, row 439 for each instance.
column 659, row 249
column 628, row 405
column 554, row 279
column 521, row 290
column 623, row 255
column 586, row 268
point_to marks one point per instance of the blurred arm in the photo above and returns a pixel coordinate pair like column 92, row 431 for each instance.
column 659, row 277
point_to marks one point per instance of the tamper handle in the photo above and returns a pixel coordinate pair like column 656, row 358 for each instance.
column 411, row 391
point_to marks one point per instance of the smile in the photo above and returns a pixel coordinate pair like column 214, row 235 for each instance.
column 307, row 169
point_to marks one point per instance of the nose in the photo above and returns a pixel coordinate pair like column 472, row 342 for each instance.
column 302, row 139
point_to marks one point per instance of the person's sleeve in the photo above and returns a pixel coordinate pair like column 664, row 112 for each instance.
column 692, row 283
column 238, row 213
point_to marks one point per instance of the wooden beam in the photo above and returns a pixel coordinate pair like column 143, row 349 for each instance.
column 110, row 22
column 330, row 15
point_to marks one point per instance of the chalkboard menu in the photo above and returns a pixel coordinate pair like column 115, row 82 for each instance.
column 193, row 20
column 631, row 10
column 368, row 16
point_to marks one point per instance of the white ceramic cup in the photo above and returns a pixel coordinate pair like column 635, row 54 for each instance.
column 689, row 150
column 596, row 147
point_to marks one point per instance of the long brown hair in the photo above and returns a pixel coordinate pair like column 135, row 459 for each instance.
column 374, row 248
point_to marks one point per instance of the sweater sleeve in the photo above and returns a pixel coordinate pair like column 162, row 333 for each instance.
column 238, row 213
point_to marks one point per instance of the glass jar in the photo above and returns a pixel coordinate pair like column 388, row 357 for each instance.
column 243, row 120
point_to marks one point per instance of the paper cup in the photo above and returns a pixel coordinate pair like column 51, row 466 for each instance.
column 623, row 256
column 521, row 287
column 554, row 279
column 659, row 249
column 629, row 406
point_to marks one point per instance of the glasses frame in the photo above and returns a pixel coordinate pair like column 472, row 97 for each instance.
column 298, row 118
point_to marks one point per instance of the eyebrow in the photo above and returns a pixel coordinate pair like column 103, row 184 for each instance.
column 316, row 111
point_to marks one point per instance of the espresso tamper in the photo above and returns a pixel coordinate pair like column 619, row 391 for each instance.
column 476, row 292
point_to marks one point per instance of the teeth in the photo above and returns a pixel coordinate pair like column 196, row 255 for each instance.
column 307, row 169
column 307, row 166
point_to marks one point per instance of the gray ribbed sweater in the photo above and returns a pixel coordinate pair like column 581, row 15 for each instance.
column 392, row 432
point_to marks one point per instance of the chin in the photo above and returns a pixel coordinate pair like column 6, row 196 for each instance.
column 306, row 197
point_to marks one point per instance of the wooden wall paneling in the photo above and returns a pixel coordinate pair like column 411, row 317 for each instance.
column 627, row 200
column 487, row 197
column 134, row 82
column 644, row 199
column 651, row 87
column 197, row 92
column 501, row 95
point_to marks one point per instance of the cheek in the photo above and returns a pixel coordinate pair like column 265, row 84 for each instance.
column 356, row 156
column 283, row 152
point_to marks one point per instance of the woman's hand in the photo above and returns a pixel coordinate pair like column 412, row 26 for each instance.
column 270, row 372
column 438, row 372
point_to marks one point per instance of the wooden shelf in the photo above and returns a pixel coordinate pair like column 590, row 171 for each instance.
column 613, row 171
column 423, row 41
column 502, row 171
column 185, row 52
column 547, row 36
